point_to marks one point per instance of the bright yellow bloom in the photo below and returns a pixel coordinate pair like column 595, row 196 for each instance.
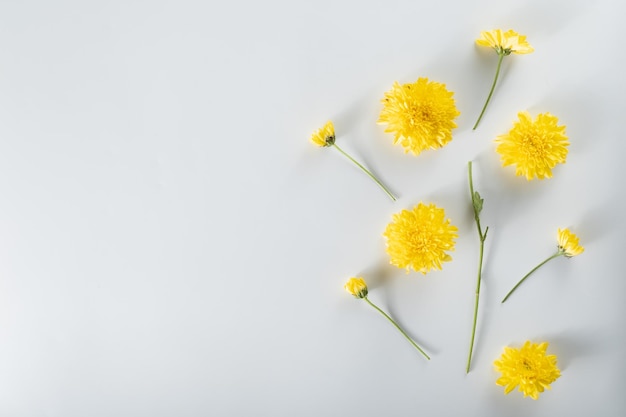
column 529, row 368
column 421, row 115
column 534, row 147
column 568, row 243
column 357, row 287
column 419, row 238
column 505, row 42
column 324, row 136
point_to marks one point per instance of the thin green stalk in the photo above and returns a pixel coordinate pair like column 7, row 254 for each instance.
column 397, row 327
column 493, row 86
column 556, row 255
column 477, row 205
column 393, row 197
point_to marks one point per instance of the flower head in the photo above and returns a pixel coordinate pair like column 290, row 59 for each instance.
column 357, row 287
column 324, row 136
column 419, row 238
column 528, row 367
column 421, row 115
column 505, row 43
column 568, row 243
column 534, row 147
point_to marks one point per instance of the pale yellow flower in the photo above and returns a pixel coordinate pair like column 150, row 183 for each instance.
column 534, row 147
column 357, row 287
column 528, row 368
column 568, row 243
column 420, row 115
column 505, row 42
column 325, row 136
column 420, row 238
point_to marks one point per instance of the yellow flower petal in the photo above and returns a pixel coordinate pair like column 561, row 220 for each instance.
column 420, row 115
column 534, row 147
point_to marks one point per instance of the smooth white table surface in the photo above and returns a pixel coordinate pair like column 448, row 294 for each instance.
column 171, row 244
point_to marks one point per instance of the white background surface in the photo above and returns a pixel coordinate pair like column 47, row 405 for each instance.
column 172, row 244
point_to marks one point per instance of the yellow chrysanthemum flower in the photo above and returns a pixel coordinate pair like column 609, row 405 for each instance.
column 420, row 238
column 505, row 42
column 534, row 147
column 568, row 243
column 528, row 368
column 357, row 287
column 324, row 136
column 421, row 115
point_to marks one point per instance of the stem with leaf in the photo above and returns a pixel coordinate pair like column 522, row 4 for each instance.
column 369, row 174
column 477, row 204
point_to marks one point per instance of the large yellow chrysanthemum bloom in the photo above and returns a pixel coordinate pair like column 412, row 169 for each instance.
column 420, row 115
column 505, row 42
column 420, row 238
column 528, row 368
column 568, row 243
column 534, row 147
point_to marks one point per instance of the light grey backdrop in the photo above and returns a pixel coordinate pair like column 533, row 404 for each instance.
column 172, row 244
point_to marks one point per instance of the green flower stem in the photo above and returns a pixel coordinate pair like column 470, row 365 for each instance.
column 556, row 255
column 397, row 327
column 501, row 56
column 393, row 197
column 482, row 236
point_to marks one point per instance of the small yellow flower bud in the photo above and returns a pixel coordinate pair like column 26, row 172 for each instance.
column 357, row 287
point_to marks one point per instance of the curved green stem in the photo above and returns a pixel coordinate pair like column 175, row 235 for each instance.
column 397, row 327
column 393, row 197
column 556, row 255
column 482, row 236
column 493, row 86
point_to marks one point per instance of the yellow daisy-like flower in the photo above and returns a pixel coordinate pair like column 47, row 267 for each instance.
column 357, row 287
column 568, row 243
column 420, row 238
column 505, row 42
column 528, row 368
column 534, row 147
column 324, row 136
column 421, row 115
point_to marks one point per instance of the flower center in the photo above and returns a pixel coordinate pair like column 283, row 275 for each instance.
column 534, row 145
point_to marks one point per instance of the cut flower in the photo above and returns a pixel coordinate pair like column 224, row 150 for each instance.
column 325, row 137
column 567, row 246
column 420, row 238
column 420, row 115
column 534, row 147
column 528, row 368
column 504, row 43
column 358, row 288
